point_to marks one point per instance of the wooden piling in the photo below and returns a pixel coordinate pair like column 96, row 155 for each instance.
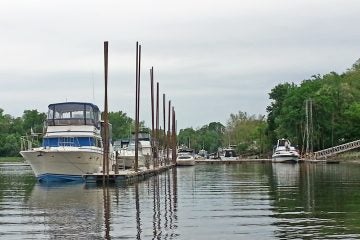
column 157, row 125
column 137, row 104
column 173, row 146
column 105, row 117
column 153, row 135
column 168, row 145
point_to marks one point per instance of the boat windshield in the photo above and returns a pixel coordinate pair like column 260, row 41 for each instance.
column 230, row 153
column 283, row 142
column 73, row 113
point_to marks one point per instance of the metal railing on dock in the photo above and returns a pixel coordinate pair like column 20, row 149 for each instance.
column 337, row 149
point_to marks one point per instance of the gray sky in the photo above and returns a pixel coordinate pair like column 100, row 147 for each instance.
column 211, row 58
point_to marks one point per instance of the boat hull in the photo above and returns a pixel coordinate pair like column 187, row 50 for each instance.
column 129, row 161
column 222, row 158
column 185, row 162
column 63, row 163
column 285, row 158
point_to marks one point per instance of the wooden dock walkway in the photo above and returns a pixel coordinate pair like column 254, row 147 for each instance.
column 242, row 160
column 126, row 176
column 257, row 160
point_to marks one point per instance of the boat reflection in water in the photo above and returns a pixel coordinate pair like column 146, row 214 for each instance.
column 286, row 175
column 145, row 210
column 68, row 210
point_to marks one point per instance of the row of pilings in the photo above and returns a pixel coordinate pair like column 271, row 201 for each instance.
column 162, row 141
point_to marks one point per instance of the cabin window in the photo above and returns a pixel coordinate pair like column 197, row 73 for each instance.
column 70, row 142
column 72, row 114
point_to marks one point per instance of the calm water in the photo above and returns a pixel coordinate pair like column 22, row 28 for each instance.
column 244, row 201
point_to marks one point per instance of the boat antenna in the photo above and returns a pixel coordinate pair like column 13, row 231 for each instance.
column 93, row 86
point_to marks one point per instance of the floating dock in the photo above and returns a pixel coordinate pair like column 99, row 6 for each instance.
column 218, row 161
column 258, row 160
column 126, row 176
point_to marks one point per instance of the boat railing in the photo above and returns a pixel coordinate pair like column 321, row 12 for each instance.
column 29, row 142
column 68, row 142
column 70, row 121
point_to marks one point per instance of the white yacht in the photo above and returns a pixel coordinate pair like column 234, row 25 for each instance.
column 72, row 144
column 126, row 154
column 185, row 157
column 284, row 152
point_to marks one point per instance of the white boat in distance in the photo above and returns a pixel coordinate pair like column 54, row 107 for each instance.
column 185, row 157
column 284, row 152
column 72, row 145
column 228, row 154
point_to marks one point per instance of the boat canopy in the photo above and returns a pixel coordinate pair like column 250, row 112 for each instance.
column 230, row 153
column 73, row 113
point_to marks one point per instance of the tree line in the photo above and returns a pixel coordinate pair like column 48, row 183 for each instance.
column 321, row 112
column 327, row 107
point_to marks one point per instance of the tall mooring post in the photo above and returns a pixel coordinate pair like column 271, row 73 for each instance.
column 164, row 132
column 137, row 105
column 153, row 134
column 168, row 144
column 105, row 118
column 157, row 125
column 173, row 145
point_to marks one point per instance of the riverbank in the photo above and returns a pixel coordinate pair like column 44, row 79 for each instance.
column 347, row 157
column 11, row 160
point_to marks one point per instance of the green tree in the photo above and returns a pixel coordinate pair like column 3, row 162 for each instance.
column 122, row 125
column 208, row 137
column 246, row 132
column 334, row 99
column 32, row 119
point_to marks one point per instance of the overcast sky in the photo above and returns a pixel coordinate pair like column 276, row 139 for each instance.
column 211, row 58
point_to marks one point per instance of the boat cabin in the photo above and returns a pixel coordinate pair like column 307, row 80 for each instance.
column 229, row 153
column 73, row 113
column 283, row 143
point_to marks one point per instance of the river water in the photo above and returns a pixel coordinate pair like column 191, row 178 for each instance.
column 240, row 201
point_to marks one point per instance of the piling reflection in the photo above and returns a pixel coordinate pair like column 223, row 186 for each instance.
column 145, row 210
column 107, row 206
column 137, row 207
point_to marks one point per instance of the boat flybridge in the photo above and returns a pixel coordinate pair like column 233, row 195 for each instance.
column 72, row 143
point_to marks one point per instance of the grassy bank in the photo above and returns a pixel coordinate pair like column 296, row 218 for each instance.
column 352, row 156
column 11, row 159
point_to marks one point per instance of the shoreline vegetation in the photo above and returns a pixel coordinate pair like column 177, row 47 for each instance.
column 349, row 157
column 319, row 113
column 11, row 160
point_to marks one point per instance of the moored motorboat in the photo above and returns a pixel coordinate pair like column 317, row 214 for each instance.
column 228, row 154
column 126, row 154
column 284, row 152
column 185, row 157
column 72, row 144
